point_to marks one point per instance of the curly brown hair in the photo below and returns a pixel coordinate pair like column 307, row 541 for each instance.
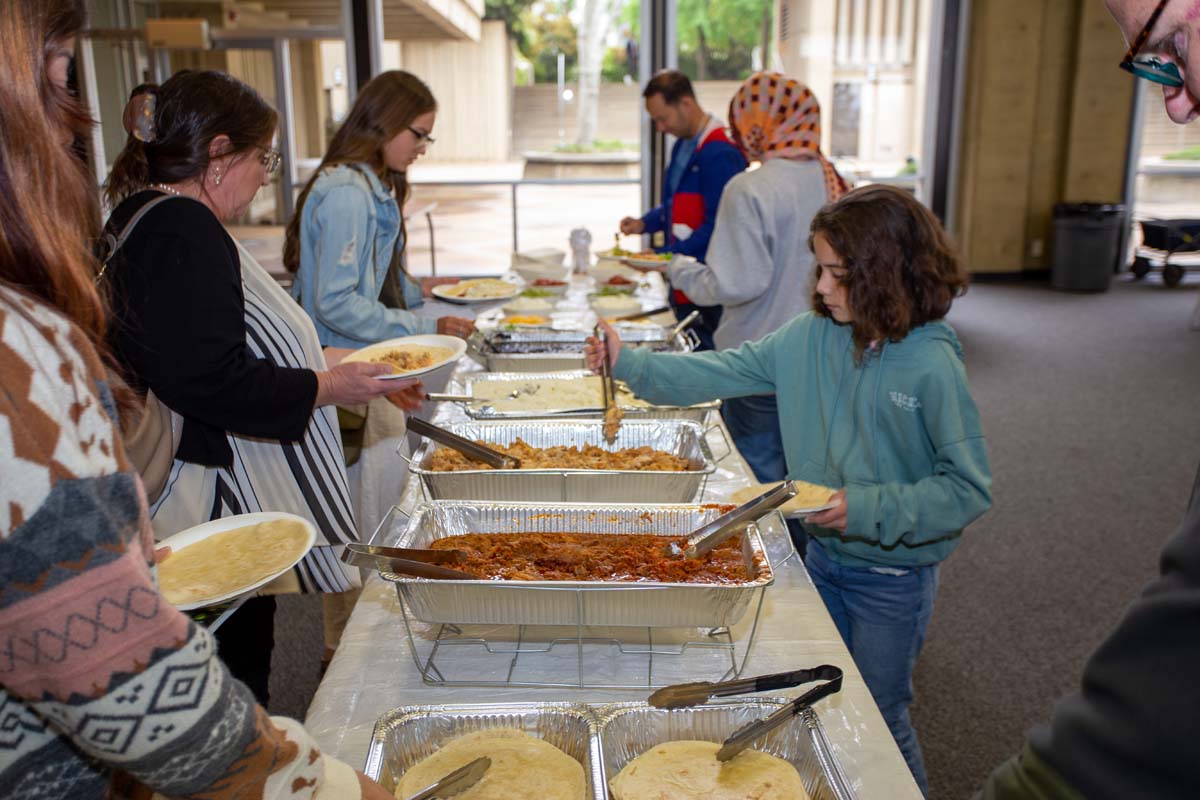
column 902, row 270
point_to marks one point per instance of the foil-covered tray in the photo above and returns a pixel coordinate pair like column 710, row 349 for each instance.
column 698, row 412
column 544, row 350
column 407, row 735
column 499, row 602
column 626, row 730
column 683, row 438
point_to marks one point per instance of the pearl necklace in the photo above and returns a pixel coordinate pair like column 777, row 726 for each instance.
column 167, row 189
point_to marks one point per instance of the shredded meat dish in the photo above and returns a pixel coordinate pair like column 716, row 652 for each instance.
column 589, row 456
column 407, row 358
column 593, row 557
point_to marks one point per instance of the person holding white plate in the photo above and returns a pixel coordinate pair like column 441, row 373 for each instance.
column 204, row 327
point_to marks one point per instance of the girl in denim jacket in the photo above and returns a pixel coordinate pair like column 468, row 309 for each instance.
column 346, row 240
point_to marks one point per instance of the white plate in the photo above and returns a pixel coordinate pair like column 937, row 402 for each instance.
column 183, row 539
column 458, row 348
column 440, row 293
column 648, row 263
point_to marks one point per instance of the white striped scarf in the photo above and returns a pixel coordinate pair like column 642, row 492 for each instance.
column 307, row 477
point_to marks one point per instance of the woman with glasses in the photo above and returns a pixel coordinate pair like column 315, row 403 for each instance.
column 346, row 240
column 204, row 327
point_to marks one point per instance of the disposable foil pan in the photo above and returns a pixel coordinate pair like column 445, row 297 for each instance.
column 698, row 412
column 629, row 729
column 405, row 736
column 546, row 350
column 683, row 438
column 484, row 602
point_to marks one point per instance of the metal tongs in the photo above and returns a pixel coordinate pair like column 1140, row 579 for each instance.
column 408, row 561
column 456, row 782
column 470, row 449
column 693, row 694
column 683, row 325
column 709, row 536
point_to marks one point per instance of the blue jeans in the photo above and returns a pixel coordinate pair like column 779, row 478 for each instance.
column 882, row 614
column 753, row 423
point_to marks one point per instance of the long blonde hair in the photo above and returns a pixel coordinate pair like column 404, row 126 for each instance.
column 386, row 106
column 49, row 214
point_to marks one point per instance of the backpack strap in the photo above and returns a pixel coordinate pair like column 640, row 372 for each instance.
column 110, row 244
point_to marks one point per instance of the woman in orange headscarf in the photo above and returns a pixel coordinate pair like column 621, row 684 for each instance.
column 759, row 264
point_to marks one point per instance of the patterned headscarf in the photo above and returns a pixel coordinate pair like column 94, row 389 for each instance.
column 777, row 117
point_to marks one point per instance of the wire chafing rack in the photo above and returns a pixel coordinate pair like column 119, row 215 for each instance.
column 586, row 656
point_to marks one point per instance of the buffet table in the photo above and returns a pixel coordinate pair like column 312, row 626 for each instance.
column 374, row 669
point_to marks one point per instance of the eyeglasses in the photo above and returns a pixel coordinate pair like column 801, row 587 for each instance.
column 1150, row 67
column 270, row 159
column 422, row 136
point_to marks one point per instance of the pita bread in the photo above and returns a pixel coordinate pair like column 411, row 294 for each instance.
column 231, row 560
column 689, row 770
column 523, row 767
column 808, row 495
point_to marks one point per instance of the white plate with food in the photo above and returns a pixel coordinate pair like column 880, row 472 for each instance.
column 614, row 305
column 226, row 558
column 810, row 498
column 528, row 305
column 648, row 259
column 412, row 356
column 476, row 290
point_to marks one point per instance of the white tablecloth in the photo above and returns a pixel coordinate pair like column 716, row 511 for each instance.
column 374, row 670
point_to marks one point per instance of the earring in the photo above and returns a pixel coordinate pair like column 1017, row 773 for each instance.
column 216, row 176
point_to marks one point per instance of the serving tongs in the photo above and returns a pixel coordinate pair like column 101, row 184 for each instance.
column 682, row 325
column 685, row 695
column 612, row 414
column 456, row 782
column 408, row 561
column 470, row 449
column 712, row 534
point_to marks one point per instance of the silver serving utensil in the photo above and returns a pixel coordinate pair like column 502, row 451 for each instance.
column 686, row 695
column 470, row 449
column 441, row 397
column 709, row 536
column 456, row 782
column 746, row 735
column 682, row 325
column 419, row 563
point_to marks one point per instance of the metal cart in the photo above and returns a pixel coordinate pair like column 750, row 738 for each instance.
column 1162, row 239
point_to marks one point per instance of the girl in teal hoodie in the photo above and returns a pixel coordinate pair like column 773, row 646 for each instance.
column 873, row 399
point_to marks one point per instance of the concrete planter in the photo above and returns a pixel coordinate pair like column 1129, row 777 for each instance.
column 542, row 164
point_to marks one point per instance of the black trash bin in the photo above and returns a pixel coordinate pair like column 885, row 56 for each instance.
column 1087, row 243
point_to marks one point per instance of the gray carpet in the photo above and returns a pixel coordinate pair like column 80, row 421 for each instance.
column 1089, row 404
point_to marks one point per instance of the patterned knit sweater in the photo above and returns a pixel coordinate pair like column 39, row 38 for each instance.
column 106, row 690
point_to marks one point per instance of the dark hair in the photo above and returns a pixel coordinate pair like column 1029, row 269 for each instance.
column 902, row 270
column 190, row 110
column 48, row 212
column 386, row 106
column 672, row 84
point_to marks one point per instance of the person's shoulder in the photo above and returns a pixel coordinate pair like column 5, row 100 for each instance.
column 339, row 184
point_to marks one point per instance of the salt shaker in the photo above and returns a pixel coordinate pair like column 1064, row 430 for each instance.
column 581, row 249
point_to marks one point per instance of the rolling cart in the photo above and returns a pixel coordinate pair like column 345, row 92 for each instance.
column 1162, row 239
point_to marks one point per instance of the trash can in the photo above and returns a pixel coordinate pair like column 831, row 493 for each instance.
column 1087, row 243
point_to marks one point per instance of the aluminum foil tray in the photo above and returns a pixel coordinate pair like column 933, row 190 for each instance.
column 697, row 413
column 682, row 438
column 663, row 605
column 629, row 729
column 407, row 735
column 545, row 351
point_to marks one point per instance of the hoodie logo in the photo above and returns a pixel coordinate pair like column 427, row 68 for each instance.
column 904, row 402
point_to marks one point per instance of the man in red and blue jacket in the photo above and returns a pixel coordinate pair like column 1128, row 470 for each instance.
column 702, row 162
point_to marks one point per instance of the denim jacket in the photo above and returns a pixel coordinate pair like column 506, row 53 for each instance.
column 348, row 229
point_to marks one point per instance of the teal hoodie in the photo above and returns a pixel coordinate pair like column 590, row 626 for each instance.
column 899, row 431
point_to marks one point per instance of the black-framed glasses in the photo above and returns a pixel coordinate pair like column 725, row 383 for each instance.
column 422, row 136
column 1151, row 68
column 270, row 159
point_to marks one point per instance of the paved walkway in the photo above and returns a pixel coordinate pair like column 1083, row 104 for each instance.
column 473, row 225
